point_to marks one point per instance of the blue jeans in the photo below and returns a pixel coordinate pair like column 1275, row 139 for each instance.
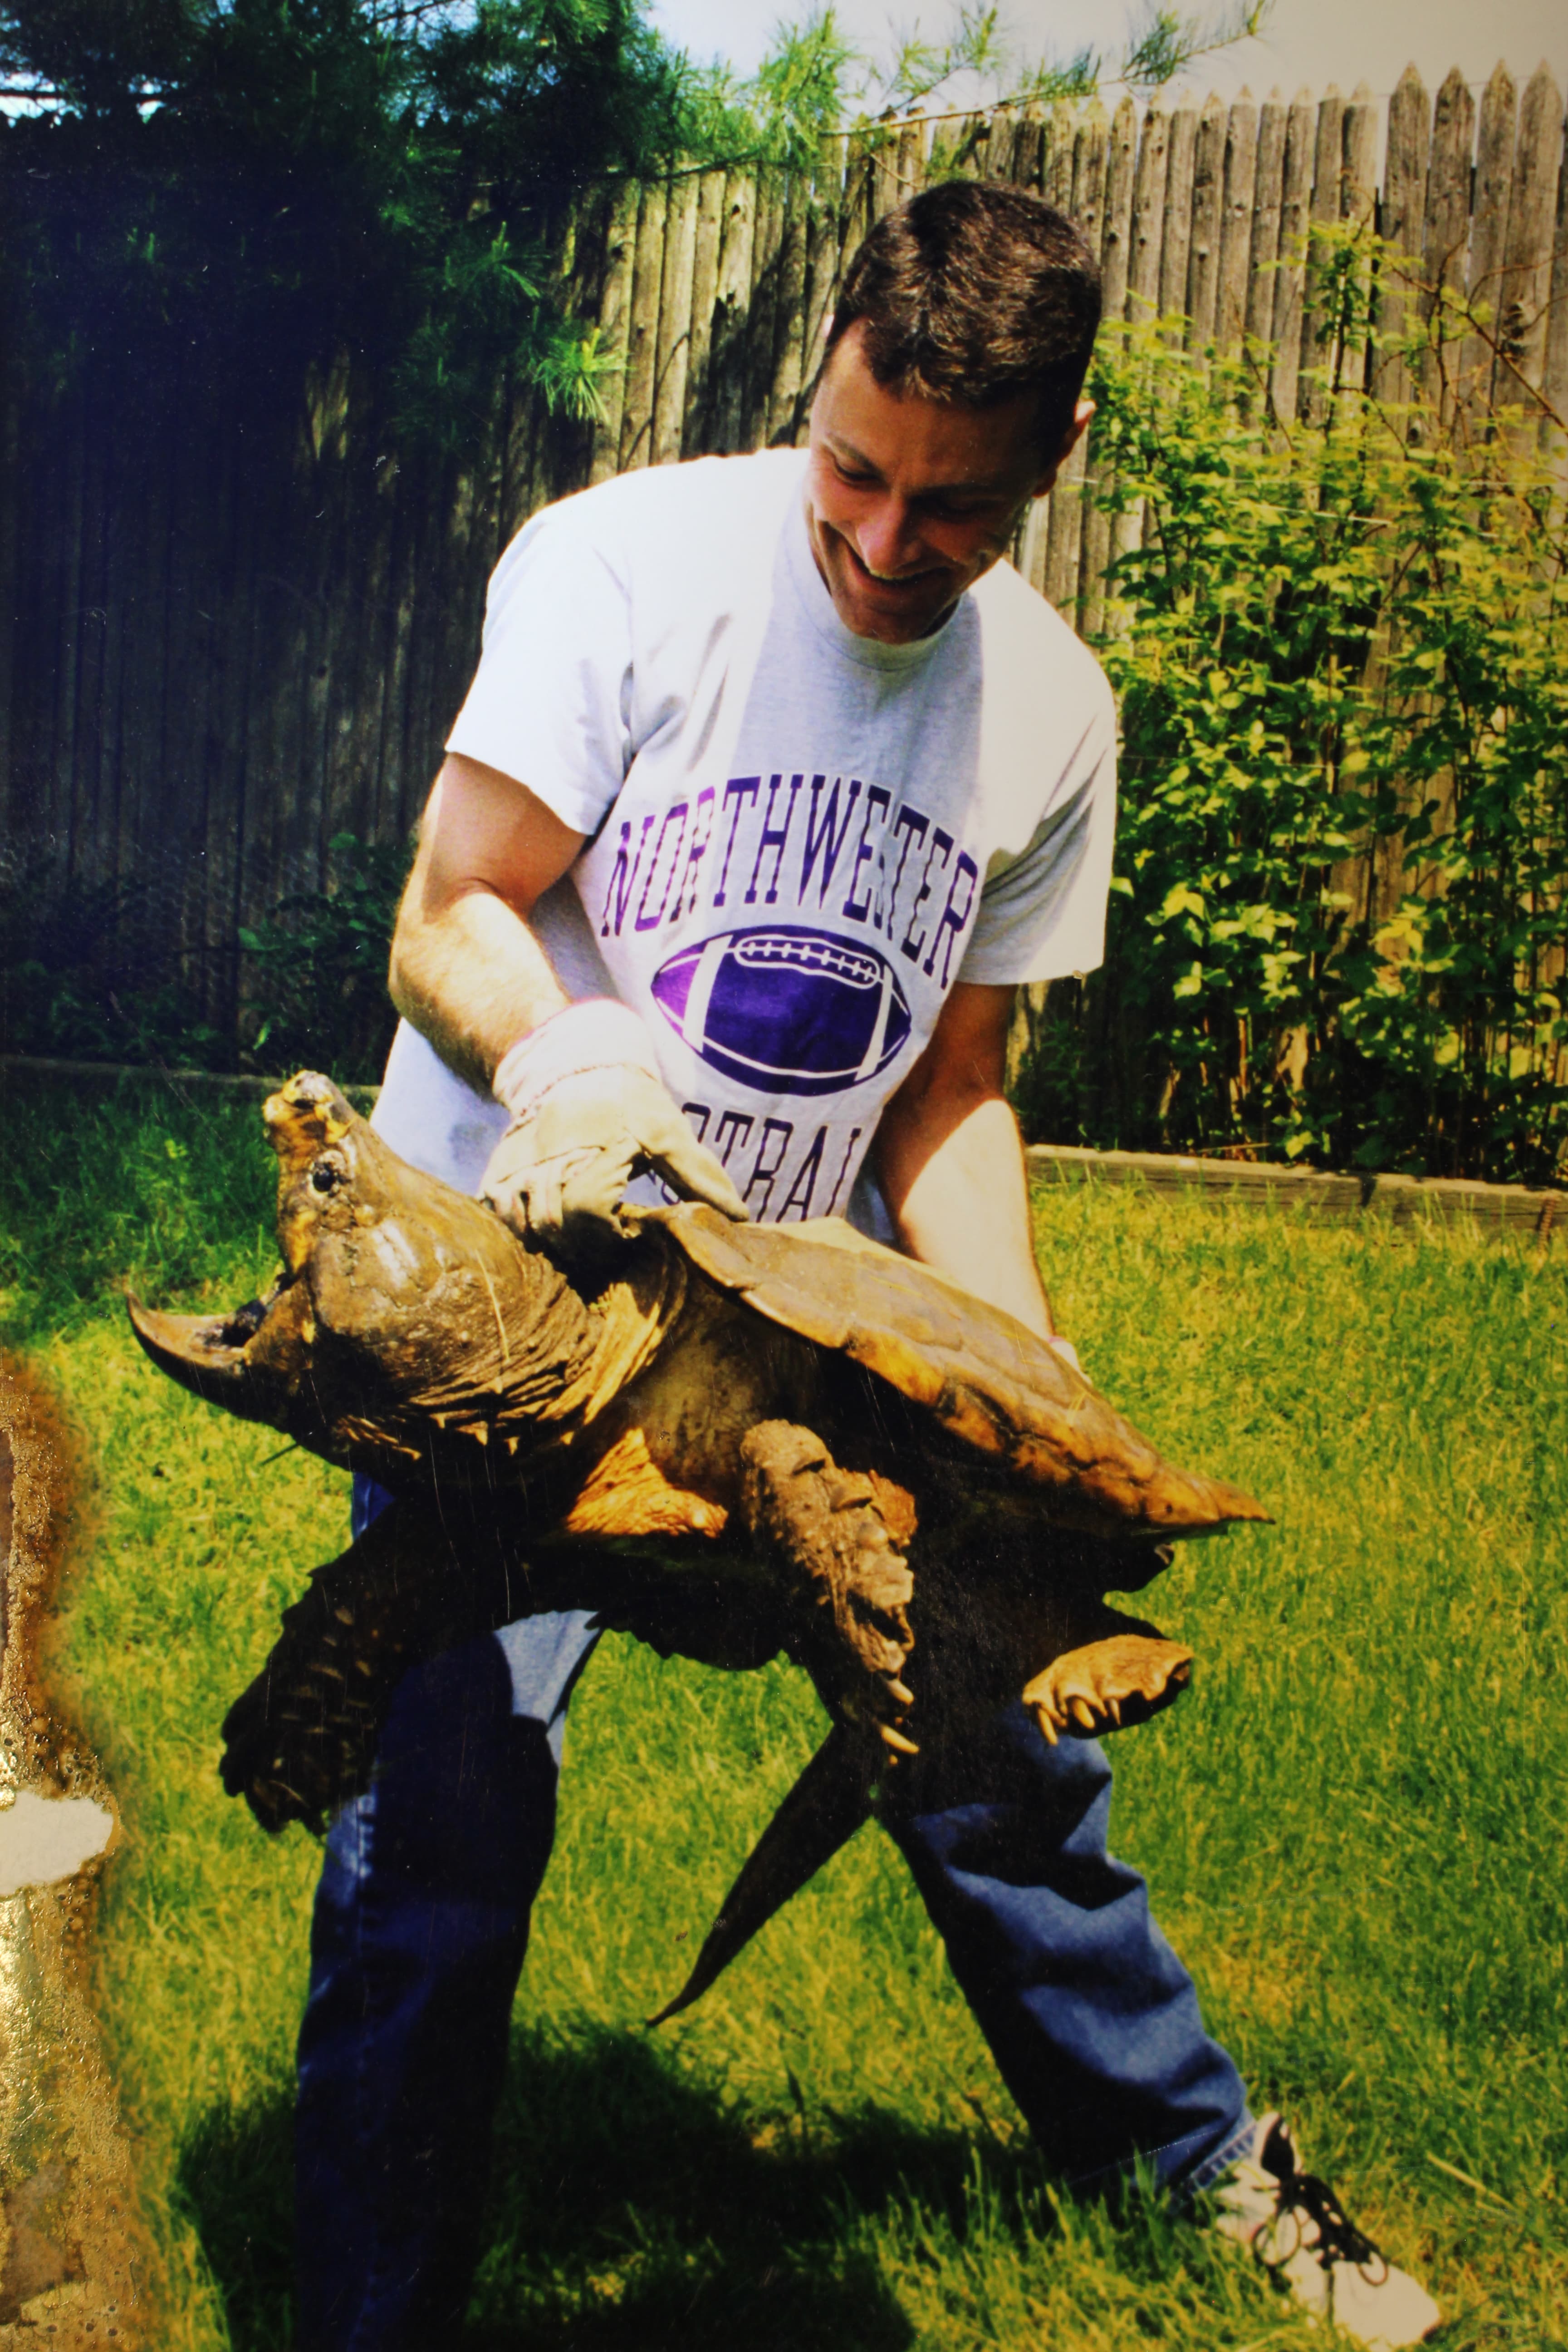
column 421, row 1924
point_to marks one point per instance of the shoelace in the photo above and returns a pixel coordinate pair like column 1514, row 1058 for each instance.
column 1339, row 2240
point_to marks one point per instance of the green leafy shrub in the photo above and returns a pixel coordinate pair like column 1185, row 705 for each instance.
column 1340, row 650
column 259, row 186
column 317, row 978
column 262, row 186
column 86, row 973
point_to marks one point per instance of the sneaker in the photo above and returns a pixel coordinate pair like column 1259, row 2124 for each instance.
column 1298, row 2230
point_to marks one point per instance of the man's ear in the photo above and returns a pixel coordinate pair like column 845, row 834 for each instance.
column 1080, row 423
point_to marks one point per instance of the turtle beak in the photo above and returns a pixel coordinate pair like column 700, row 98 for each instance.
column 252, row 1362
column 206, row 1353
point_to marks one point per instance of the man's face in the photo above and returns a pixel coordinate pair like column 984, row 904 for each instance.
column 908, row 501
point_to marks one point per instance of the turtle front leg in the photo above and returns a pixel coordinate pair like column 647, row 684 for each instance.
column 825, row 1523
column 1106, row 1684
column 304, row 1737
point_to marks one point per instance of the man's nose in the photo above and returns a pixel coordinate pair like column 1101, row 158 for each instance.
column 888, row 537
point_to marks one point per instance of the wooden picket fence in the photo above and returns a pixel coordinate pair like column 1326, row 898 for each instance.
column 228, row 634
column 716, row 290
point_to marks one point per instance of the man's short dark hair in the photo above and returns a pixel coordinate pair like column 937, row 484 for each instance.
column 973, row 293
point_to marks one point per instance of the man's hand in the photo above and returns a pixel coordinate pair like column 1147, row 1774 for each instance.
column 589, row 1113
column 581, row 1081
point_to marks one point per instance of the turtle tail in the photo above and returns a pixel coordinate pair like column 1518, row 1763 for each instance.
column 821, row 1813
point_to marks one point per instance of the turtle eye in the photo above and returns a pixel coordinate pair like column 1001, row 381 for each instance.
column 323, row 1176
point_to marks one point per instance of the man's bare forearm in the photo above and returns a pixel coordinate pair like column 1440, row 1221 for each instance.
column 966, row 1211
column 473, row 980
column 466, row 969
column 951, row 1163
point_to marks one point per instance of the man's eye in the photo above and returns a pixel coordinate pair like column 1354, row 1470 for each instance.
column 852, row 474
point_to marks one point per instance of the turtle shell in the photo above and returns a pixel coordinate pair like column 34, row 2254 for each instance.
column 988, row 1381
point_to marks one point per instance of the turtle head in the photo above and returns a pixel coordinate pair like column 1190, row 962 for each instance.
column 399, row 1301
column 259, row 1361
column 322, row 1165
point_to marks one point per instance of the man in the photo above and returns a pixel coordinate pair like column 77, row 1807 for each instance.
column 785, row 719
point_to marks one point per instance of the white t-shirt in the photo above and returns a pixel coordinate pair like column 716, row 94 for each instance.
column 799, row 838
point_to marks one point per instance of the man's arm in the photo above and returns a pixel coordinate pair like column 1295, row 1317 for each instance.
column 951, row 1161
column 467, row 969
column 588, row 1111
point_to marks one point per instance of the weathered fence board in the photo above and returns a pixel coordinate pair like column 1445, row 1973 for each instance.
column 642, row 340
column 1527, row 251
column 1175, row 250
column 225, row 637
column 1323, row 211
column 1268, row 200
column 1556, row 386
column 1202, row 305
column 616, row 327
column 1488, row 226
column 1238, row 205
column 1358, row 207
column 1290, row 275
column 1404, row 208
column 1115, row 260
column 704, row 297
column 674, row 355
column 727, row 352
column 1149, row 213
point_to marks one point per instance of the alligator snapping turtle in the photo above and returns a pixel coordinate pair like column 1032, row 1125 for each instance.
column 742, row 1439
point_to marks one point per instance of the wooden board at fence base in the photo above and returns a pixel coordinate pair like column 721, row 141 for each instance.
column 1516, row 1210
column 1504, row 1211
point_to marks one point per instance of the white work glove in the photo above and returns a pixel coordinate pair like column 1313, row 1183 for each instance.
column 589, row 1113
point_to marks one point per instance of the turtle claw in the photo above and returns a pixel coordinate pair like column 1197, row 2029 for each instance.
column 829, row 1527
column 1107, row 1684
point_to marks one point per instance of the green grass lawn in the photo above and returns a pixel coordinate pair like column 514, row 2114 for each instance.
column 1354, row 1825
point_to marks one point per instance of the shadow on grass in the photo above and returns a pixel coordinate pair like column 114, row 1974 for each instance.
column 235, row 2181
column 633, row 2207
column 629, row 2207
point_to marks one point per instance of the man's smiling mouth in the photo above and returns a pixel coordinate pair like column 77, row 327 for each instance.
column 885, row 580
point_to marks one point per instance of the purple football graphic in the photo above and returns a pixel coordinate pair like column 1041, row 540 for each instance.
column 789, row 1011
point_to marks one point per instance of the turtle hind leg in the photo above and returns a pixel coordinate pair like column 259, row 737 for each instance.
column 1105, row 1686
column 825, row 1523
